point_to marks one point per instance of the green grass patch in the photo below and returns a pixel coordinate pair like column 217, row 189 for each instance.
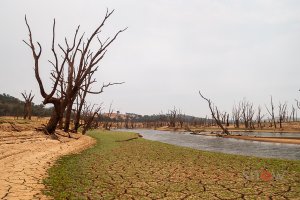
column 143, row 169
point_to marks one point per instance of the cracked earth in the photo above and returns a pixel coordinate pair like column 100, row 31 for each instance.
column 25, row 157
column 141, row 169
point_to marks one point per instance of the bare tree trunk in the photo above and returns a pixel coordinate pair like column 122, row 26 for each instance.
column 213, row 110
column 68, row 117
column 54, row 119
column 76, row 122
column 271, row 112
column 29, row 111
column 282, row 113
column 25, row 111
column 78, row 50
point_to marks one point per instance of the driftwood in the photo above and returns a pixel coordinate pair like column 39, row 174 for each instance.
column 14, row 127
column 134, row 138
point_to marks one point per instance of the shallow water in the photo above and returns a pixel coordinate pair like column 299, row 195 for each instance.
column 225, row 145
column 262, row 134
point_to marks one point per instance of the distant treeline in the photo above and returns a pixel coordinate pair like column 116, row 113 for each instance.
column 11, row 106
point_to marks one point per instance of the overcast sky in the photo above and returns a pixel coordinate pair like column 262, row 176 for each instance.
column 228, row 49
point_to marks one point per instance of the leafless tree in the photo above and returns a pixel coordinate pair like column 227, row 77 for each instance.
column 181, row 118
column 298, row 106
column 271, row 112
column 172, row 115
column 78, row 61
column 293, row 114
column 259, row 117
column 223, row 117
column 282, row 113
column 247, row 114
column 227, row 120
column 215, row 114
column 80, row 100
column 27, row 105
column 236, row 115
column 89, row 113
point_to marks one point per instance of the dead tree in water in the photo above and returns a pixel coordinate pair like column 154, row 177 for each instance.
column 27, row 105
column 78, row 58
column 271, row 112
column 215, row 114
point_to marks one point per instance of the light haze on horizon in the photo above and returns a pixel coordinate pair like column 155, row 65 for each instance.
column 228, row 49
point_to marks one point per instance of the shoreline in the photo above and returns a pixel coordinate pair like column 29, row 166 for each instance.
column 281, row 140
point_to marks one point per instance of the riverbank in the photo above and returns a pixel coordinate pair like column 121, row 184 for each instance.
column 235, row 133
column 231, row 130
column 25, row 158
column 284, row 140
column 121, row 167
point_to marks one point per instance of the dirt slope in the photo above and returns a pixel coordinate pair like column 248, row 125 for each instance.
column 24, row 158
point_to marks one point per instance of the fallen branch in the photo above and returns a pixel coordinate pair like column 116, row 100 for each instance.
column 134, row 138
column 14, row 127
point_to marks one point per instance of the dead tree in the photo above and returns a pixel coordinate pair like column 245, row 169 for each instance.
column 298, row 106
column 172, row 116
column 78, row 60
column 27, row 105
column 293, row 114
column 259, row 117
column 80, row 100
column 227, row 120
column 271, row 112
column 236, row 115
column 223, row 117
column 89, row 113
column 247, row 114
column 215, row 114
column 282, row 113
column 180, row 118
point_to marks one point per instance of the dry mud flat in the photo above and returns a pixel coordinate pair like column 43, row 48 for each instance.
column 25, row 157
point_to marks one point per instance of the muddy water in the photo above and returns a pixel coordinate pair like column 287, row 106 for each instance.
column 226, row 145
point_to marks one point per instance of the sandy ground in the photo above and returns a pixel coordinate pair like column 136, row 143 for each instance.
column 266, row 139
column 25, row 157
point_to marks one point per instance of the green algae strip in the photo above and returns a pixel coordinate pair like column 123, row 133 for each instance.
column 119, row 167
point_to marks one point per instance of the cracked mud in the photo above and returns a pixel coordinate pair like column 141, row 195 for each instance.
column 141, row 169
column 24, row 159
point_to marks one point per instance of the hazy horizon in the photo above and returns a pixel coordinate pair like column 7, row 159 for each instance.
column 229, row 50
